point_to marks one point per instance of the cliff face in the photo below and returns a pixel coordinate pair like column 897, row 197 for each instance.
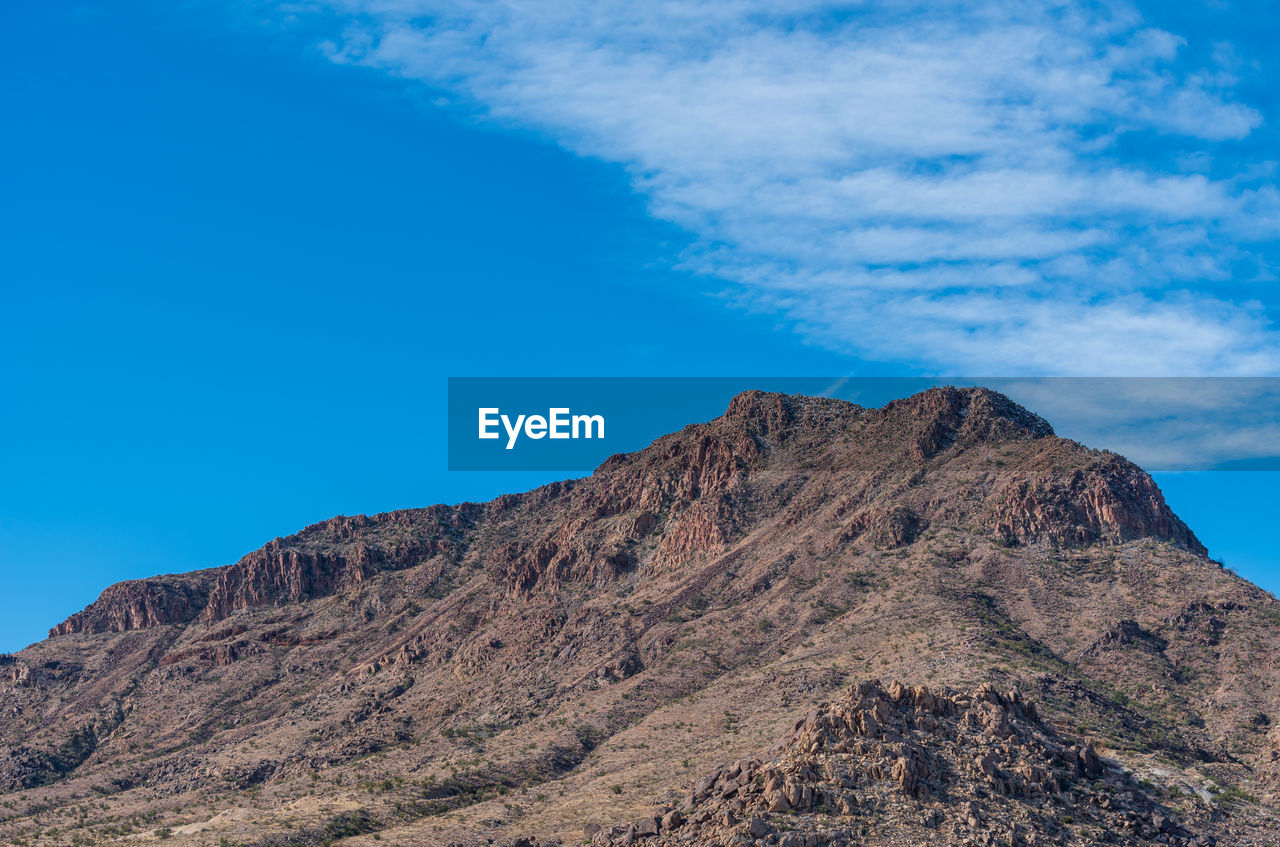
column 635, row 628
column 337, row 554
column 139, row 604
column 318, row 561
column 1108, row 500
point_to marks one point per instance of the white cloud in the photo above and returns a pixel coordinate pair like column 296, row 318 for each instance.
column 1167, row 424
column 936, row 184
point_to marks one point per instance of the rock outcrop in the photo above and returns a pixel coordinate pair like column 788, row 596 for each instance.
column 316, row 562
column 336, row 554
column 903, row 763
column 1109, row 500
column 139, row 604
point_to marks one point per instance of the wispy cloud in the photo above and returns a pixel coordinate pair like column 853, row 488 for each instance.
column 949, row 185
column 1164, row 424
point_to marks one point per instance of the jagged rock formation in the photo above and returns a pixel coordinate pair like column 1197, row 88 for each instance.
column 139, row 604
column 1108, row 500
column 510, row 669
column 338, row 553
column 905, row 764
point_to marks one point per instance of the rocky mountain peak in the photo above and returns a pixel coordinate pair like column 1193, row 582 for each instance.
column 583, row 652
column 970, row 414
column 941, row 417
column 767, row 413
column 700, row 489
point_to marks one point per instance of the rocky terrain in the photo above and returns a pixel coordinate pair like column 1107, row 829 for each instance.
column 609, row 659
column 904, row 765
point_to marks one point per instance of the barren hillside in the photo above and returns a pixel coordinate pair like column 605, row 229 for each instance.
column 602, row 654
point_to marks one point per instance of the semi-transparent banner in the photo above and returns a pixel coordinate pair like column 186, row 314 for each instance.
column 575, row 423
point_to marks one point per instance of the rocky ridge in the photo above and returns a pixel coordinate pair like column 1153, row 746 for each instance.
column 1108, row 499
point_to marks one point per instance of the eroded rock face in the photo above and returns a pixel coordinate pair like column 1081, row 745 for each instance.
column 316, row 562
column 336, row 554
column 280, row 574
column 1110, row 500
column 931, row 767
column 939, row 418
column 139, row 604
column 885, row 527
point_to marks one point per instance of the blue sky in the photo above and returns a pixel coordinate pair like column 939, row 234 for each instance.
column 245, row 244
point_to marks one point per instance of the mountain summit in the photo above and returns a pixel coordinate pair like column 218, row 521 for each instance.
column 611, row 659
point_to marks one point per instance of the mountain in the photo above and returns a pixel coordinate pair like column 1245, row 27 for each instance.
column 664, row 649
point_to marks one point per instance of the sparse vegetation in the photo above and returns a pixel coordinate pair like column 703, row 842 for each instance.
column 566, row 633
